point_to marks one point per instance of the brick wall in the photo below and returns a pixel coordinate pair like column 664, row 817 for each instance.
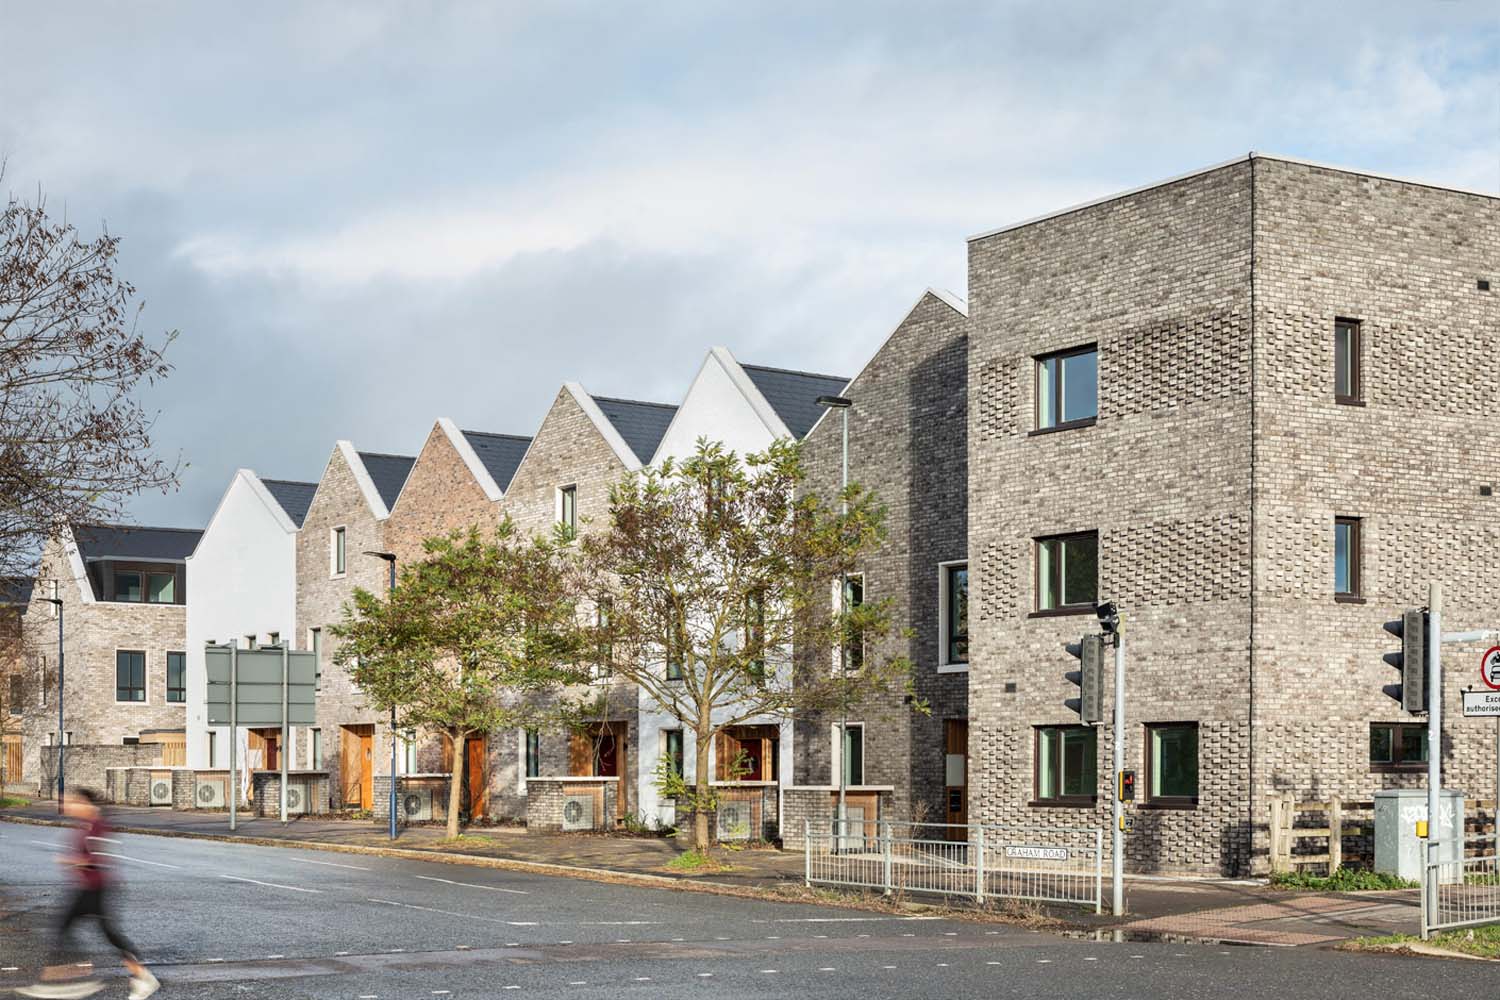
column 546, row 798
column 85, row 764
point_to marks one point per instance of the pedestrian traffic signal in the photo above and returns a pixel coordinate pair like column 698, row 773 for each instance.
column 1411, row 629
column 1089, row 677
column 1127, row 786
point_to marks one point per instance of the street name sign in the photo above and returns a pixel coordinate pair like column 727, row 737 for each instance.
column 1481, row 704
column 1037, row 853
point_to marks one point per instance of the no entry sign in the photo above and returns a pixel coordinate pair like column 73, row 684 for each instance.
column 1489, row 668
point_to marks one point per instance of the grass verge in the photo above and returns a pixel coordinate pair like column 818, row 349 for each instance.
column 1480, row 942
column 1343, row 880
column 698, row 862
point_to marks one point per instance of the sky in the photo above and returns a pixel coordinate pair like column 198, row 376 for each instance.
column 360, row 217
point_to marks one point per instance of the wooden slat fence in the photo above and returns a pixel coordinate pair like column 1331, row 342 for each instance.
column 1340, row 820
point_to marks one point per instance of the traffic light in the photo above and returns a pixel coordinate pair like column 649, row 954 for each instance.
column 1411, row 629
column 1089, row 677
column 1127, row 785
column 1109, row 616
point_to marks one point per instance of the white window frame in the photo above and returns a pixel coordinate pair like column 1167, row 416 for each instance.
column 838, row 754
column 334, row 573
column 837, row 591
column 944, row 666
column 146, row 679
column 557, row 515
column 314, row 747
column 166, row 678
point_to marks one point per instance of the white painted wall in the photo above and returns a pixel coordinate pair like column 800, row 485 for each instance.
column 723, row 405
column 241, row 579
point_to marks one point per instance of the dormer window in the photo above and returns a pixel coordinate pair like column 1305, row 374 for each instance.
column 136, row 583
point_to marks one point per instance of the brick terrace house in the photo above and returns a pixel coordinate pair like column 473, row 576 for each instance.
column 1250, row 405
column 907, row 442
column 345, row 519
column 124, row 640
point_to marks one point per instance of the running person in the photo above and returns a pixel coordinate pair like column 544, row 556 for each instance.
column 90, row 899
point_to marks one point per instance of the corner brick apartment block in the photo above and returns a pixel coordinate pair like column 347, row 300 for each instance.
column 1252, row 406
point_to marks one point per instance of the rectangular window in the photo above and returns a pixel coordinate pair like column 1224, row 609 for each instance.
column 755, row 632
column 130, row 675
column 854, row 755
column 127, row 585
column 1346, row 561
column 44, row 679
column 672, row 743
column 533, row 754
column 567, row 507
column 954, row 609
column 176, row 677
column 1067, row 388
column 161, row 588
column 675, row 659
column 1172, row 763
column 213, row 748
column 1066, row 764
column 409, row 753
column 854, row 645
column 1067, row 572
column 16, row 694
column 606, row 647
column 315, row 643
column 317, row 749
column 338, row 553
column 1398, row 746
column 1347, row 379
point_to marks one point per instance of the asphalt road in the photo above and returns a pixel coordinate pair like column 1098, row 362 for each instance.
column 222, row 920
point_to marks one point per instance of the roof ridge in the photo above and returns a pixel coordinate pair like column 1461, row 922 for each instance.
column 637, row 402
column 499, row 434
column 130, row 527
column 794, row 371
column 383, row 454
column 292, row 482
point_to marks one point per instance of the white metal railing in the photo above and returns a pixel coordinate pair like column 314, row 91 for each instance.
column 1044, row 864
column 1460, row 888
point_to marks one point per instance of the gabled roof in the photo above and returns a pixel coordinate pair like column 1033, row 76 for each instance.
column 794, row 395
column 500, row 454
column 388, row 473
column 641, row 424
column 16, row 589
column 121, row 541
column 293, row 497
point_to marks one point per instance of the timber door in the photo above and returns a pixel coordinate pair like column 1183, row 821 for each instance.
column 12, row 760
column 357, row 766
column 956, row 774
column 267, row 742
column 476, row 777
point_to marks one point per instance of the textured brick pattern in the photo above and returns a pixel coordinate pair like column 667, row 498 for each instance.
column 545, row 800
column 907, row 442
column 440, row 496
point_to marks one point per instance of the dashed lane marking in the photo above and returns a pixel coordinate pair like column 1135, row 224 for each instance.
column 330, row 864
column 472, row 885
column 270, row 885
column 139, row 861
column 450, row 913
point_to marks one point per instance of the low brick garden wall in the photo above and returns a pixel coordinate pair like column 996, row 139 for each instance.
column 816, row 806
column 548, row 802
column 307, row 793
column 86, row 765
column 423, row 798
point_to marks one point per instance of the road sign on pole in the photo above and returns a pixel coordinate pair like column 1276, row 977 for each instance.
column 1489, row 668
column 1481, row 704
column 267, row 686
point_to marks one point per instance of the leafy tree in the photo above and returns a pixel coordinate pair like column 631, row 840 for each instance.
column 478, row 636
column 74, row 440
column 711, row 569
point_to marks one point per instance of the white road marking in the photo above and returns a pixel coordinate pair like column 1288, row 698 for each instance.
column 1044, row 961
column 579, row 982
column 139, row 861
column 991, row 963
column 643, row 979
column 942, row 965
column 11, row 968
column 827, row 968
column 269, row 885
column 768, row 972
column 887, row 966
column 275, row 956
column 441, row 993
column 705, row 975
column 1091, row 958
column 212, row 960
column 330, row 864
column 471, row 885
column 450, row 913
column 619, row 923
column 841, row 920
column 337, row 953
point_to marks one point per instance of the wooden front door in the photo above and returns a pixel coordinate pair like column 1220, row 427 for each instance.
column 357, row 766
column 12, row 759
column 603, row 751
column 476, row 777
column 956, row 774
column 268, row 742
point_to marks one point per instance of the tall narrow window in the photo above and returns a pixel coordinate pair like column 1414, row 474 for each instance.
column 854, row 755
column 954, row 601
column 605, row 650
column 533, row 754
column 213, row 748
column 1172, row 763
column 1346, row 556
column 1067, row 388
column 672, row 739
column 854, row 643
column 755, row 632
column 1067, row 572
column 567, row 507
column 130, row 675
column 1066, row 764
column 409, row 753
column 161, row 588
column 338, row 553
column 17, row 687
column 1348, row 380
column 176, row 677
column 676, row 657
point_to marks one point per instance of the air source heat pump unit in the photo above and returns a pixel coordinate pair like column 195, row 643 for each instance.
column 416, row 805
column 296, row 798
column 734, row 821
column 578, row 812
column 161, row 788
column 209, row 793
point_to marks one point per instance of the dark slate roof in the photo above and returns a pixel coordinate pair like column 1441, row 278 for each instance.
column 794, row 395
column 388, row 472
column 121, row 541
column 293, row 497
column 641, row 424
column 500, row 454
column 16, row 589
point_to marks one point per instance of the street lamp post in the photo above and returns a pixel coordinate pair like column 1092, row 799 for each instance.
column 390, row 561
column 62, row 737
column 842, row 404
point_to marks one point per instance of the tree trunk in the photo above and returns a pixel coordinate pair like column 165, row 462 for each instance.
column 702, row 788
column 455, row 782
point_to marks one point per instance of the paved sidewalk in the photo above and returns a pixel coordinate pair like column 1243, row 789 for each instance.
column 1219, row 910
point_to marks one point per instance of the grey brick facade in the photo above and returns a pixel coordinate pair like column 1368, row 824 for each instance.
column 1213, row 475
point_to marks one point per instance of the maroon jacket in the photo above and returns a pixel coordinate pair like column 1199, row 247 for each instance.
column 89, row 867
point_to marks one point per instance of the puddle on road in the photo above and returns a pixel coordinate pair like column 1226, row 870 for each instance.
column 1124, row 935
